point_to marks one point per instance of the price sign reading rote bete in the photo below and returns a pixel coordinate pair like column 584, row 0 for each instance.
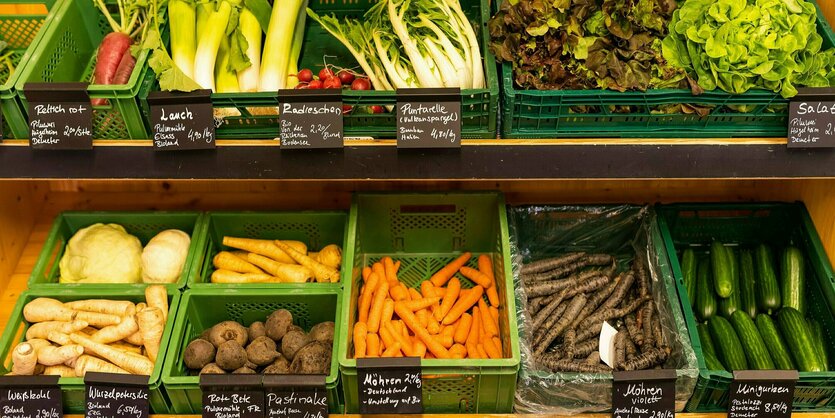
column 762, row 393
column 429, row 118
column 116, row 395
column 390, row 385
column 311, row 118
column 644, row 394
column 232, row 396
column 295, row 396
column 60, row 116
column 812, row 119
column 182, row 121
column 30, row 397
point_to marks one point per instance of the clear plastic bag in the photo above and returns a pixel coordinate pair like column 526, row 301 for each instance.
column 538, row 232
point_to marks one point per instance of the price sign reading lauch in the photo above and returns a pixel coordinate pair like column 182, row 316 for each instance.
column 295, row 396
column 30, row 397
column 311, row 118
column 111, row 395
column 232, row 395
column 182, row 121
column 60, row 116
column 390, row 385
column 429, row 118
column 812, row 119
column 644, row 394
column 762, row 393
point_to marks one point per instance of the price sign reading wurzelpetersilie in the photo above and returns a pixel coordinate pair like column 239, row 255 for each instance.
column 182, row 121
column 30, row 397
column 390, row 385
column 60, row 116
column 644, row 394
column 429, row 118
column 116, row 395
column 311, row 118
column 812, row 119
column 232, row 396
column 762, row 393
column 295, row 396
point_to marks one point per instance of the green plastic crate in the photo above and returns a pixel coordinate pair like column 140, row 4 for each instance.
column 479, row 107
column 20, row 32
column 776, row 224
column 316, row 229
column 67, row 53
column 551, row 114
column 544, row 231
column 73, row 388
column 425, row 232
column 143, row 225
column 203, row 308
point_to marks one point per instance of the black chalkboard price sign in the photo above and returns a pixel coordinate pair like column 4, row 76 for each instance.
column 429, row 118
column 390, row 385
column 30, row 397
column 644, row 394
column 295, row 396
column 60, row 116
column 311, row 118
column 762, row 393
column 812, row 118
column 116, row 395
column 232, row 396
column 182, row 121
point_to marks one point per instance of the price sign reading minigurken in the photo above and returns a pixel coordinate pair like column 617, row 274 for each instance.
column 762, row 393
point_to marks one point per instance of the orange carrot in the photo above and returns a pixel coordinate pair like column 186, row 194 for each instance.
column 398, row 291
column 493, row 296
column 465, row 302
column 452, row 292
column 490, row 327
column 498, row 343
column 406, row 292
column 423, row 317
column 373, row 345
column 443, row 340
column 388, row 267
column 380, row 270
column 392, row 351
column 476, row 276
column 475, row 327
column 481, row 352
column 411, row 321
column 366, row 271
column 443, row 275
column 434, row 327
column 360, row 344
column 448, row 331
column 462, row 331
column 490, row 348
column 495, row 314
column 376, row 312
column 472, row 350
column 458, row 351
column 422, row 303
column 396, row 266
column 427, row 289
column 419, row 348
column 388, row 310
column 414, row 294
column 429, row 356
column 404, row 343
column 485, row 265
column 386, row 337
column 366, row 296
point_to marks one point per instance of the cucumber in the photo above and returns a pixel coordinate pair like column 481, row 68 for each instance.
column 705, row 298
column 707, row 341
column 712, row 362
column 820, row 343
column 729, row 305
column 730, row 348
column 688, row 272
column 752, row 343
column 799, row 340
column 774, row 342
column 792, row 279
column 768, row 291
column 747, row 283
column 720, row 262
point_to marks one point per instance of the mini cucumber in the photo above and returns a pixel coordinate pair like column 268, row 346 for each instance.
column 706, row 340
column 712, row 362
column 747, row 283
column 792, row 279
column 774, row 342
column 688, row 272
column 816, row 329
column 799, row 340
column 730, row 348
column 729, row 305
column 705, row 298
column 768, row 291
column 720, row 263
column 752, row 343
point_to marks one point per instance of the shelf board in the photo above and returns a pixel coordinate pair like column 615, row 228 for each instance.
column 477, row 159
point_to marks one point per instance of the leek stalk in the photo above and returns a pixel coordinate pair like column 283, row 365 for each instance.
column 207, row 49
column 276, row 58
column 250, row 29
column 182, row 16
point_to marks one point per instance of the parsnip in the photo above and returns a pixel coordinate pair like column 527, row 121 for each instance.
column 157, row 297
column 86, row 363
column 133, row 364
column 53, row 356
column 59, row 370
column 42, row 329
column 113, row 333
column 46, row 309
column 151, row 325
column 105, row 306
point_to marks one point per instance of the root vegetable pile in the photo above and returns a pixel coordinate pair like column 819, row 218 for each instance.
column 110, row 336
column 442, row 320
column 569, row 298
column 274, row 261
column 272, row 347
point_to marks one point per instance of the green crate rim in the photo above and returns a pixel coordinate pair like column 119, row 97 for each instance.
column 202, row 253
column 198, row 237
column 7, row 88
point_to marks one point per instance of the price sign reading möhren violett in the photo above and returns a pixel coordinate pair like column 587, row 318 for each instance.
column 30, row 397
column 182, row 121
column 60, row 116
column 116, row 395
column 762, row 393
column 429, row 118
column 295, row 396
column 644, row 394
column 311, row 118
column 232, row 395
column 812, row 119
column 390, row 385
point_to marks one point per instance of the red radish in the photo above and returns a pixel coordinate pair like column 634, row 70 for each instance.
column 305, row 75
column 376, row 109
column 315, row 84
column 325, row 73
column 333, row 83
column 109, row 55
column 347, row 108
column 301, row 86
column 361, row 84
column 346, row 77
column 122, row 75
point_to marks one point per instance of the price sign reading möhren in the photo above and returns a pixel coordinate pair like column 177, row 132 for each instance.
column 30, row 397
column 762, row 393
column 390, row 385
column 644, row 394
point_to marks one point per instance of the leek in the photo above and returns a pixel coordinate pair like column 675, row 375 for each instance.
column 296, row 50
column 276, row 59
column 207, row 49
column 226, row 81
column 251, row 31
column 182, row 16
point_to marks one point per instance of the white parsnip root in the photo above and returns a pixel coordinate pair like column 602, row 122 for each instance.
column 53, row 356
column 112, row 307
column 157, row 297
column 24, row 358
column 46, row 309
column 151, row 325
column 42, row 329
column 113, row 333
column 86, row 363
column 59, row 370
column 133, row 364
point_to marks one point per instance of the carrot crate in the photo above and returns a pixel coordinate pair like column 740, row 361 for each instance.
column 425, row 232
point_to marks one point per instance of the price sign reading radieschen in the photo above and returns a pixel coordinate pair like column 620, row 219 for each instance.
column 311, row 118
column 644, row 394
column 60, row 116
column 429, row 118
column 232, row 396
column 30, row 397
column 390, row 385
column 295, row 396
column 182, row 121
column 762, row 393
column 812, row 119
column 116, row 395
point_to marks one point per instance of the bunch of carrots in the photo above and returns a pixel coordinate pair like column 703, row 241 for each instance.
column 441, row 321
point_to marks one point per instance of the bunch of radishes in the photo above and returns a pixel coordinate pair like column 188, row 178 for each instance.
column 341, row 79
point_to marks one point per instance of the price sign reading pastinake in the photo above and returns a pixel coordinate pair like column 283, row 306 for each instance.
column 390, row 385
column 812, row 119
column 296, row 396
column 116, row 395
column 429, row 118
column 60, row 116
column 30, row 397
column 182, row 121
column 644, row 394
column 762, row 393
column 311, row 118
column 232, row 396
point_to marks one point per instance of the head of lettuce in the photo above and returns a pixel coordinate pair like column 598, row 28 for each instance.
column 102, row 253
